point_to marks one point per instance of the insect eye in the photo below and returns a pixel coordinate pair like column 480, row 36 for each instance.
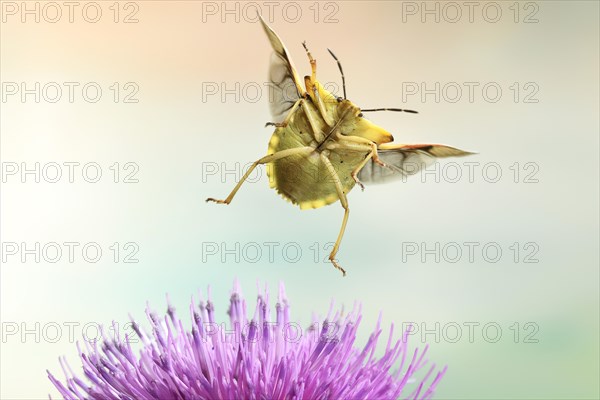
column 360, row 115
column 339, row 99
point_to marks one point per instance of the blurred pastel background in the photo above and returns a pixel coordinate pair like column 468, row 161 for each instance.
column 182, row 136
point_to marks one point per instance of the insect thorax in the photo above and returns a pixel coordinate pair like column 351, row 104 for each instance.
column 306, row 180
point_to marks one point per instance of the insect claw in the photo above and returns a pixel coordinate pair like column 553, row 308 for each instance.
column 210, row 199
column 358, row 182
column 380, row 163
column 276, row 124
column 336, row 265
column 305, row 47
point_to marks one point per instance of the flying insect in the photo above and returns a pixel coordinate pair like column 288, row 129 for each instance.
column 323, row 145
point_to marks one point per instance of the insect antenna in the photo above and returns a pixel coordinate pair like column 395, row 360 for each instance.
column 341, row 71
column 389, row 109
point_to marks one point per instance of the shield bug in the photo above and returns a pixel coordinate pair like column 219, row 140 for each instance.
column 323, row 146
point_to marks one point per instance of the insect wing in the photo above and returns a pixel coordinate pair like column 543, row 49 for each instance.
column 405, row 160
column 286, row 87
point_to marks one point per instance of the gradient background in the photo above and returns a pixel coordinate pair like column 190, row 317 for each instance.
column 174, row 133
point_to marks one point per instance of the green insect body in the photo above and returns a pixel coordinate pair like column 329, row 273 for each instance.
column 305, row 180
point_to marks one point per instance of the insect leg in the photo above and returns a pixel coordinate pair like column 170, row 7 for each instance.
column 311, row 88
column 266, row 159
column 286, row 121
column 360, row 140
column 344, row 202
column 313, row 63
column 370, row 149
column 321, row 105
column 312, row 115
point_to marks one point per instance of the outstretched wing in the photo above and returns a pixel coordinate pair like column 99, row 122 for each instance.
column 404, row 160
column 286, row 87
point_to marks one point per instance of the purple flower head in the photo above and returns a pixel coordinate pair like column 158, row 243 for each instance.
column 250, row 359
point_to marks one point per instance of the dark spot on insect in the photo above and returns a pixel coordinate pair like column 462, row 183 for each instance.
column 360, row 115
column 341, row 161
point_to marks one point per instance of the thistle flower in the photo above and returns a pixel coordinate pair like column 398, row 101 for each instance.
column 250, row 359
